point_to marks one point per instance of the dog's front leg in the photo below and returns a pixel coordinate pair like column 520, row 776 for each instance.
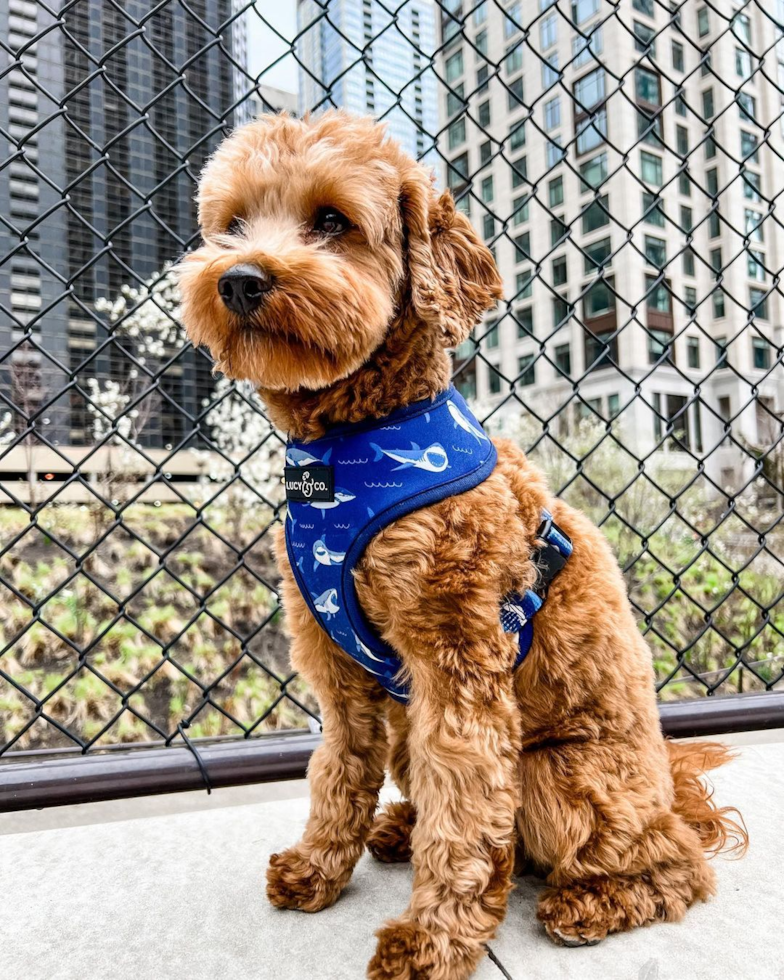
column 345, row 772
column 463, row 745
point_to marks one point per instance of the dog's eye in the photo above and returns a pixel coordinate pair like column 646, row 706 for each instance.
column 329, row 221
column 235, row 227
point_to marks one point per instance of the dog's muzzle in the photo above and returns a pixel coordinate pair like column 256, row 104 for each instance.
column 243, row 287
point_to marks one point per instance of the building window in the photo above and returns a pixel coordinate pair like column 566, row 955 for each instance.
column 488, row 226
column 749, row 147
column 716, row 262
column 584, row 49
column 659, row 346
column 714, row 224
column 644, row 7
column 480, row 43
column 491, row 336
column 703, row 22
column 753, row 224
column 487, row 189
column 457, row 133
column 484, row 114
column 548, row 31
column 593, row 172
column 458, row 171
column 550, row 73
column 522, row 247
column 596, row 215
column 514, row 59
column 519, row 172
column 598, row 255
column 758, row 303
column 741, row 28
column 590, row 113
column 693, row 352
column 514, row 97
column 752, row 187
column 690, row 300
column 652, row 211
column 649, row 128
column 481, row 80
column 599, row 303
column 647, row 87
column 677, row 56
column 562, row 310
column 601, row 349
column 688, row 262
column 761, row 353
column 582, row 10
column 656, row 251
column 526, row 370
column 525, row 322
column 558, row 230
column 680, row 105
column 613, row 405
column 559, row 271
column 687, row 218
column 682, row 140
column 684, row 185
column 554, row 152
column 552, row 113
column 555, row 191
column 512, row 19
column 658, row 304
column 480, row 14
column 747, row 107
column 455, row 101
column 651, row 168
column 672, row 409
column 485, row 153
column 755, row 265
column 707, row 104
column 644, row 39
column 524, row 284
column 520, row 209
column 517, row 136
column 718, row 303
column 563, row 360
column 454, row 66
column 742, row 63
column 493, row 379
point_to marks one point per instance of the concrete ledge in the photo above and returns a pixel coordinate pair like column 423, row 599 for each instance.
column 172, row 895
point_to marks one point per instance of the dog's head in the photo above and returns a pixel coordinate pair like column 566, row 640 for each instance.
column 319, row 236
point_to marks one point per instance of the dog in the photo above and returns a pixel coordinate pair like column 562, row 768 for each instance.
column 335, row 278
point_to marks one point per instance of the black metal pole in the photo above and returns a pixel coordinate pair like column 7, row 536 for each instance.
column 60, row 779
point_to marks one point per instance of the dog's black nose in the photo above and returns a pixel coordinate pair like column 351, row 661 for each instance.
column 242, row 287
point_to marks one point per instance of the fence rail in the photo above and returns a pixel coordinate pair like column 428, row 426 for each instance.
column 624, row 161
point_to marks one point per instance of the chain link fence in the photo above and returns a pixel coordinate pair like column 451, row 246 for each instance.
column 624, row 162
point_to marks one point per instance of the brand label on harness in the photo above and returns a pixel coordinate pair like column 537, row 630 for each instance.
column 306, row 483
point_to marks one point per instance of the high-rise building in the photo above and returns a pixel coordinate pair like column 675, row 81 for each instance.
column 633, row 242
column 372, row 59
column 109, row 127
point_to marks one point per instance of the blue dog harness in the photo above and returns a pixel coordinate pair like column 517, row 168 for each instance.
column 343, row 488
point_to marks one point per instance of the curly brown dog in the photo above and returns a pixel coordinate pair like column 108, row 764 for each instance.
column 361, row 277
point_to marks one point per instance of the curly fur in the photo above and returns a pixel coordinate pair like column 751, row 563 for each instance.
column 562, row 761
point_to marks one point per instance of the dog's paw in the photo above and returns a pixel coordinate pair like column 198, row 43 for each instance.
column 407, row 951
column 293, row 883
column 390, row 837
column 571, row 917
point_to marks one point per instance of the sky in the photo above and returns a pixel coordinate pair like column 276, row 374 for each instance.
column 264, row 46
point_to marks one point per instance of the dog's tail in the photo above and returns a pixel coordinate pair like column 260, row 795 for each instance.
column 720, row 828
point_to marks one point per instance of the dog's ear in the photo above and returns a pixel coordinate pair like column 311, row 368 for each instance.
column 452, row 276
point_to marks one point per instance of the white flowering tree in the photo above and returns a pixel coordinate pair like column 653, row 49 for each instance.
column 148, row 317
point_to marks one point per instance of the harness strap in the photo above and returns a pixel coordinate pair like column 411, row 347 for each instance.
column 519, row 608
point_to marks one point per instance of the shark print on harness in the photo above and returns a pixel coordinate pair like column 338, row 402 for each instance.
column 379, row 471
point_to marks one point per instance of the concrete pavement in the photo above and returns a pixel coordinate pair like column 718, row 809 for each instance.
column 126, row 890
